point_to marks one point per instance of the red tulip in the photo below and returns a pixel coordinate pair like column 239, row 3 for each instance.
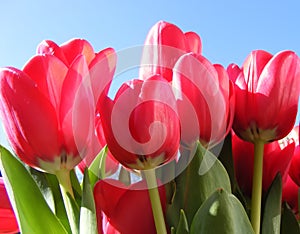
column 205, row 99
column 163, row 46
column 267, row 93
column 8, row 222
column 140, row 125
column 48, row 108
column 277, row 158
column 126, row 210
column 290, row 193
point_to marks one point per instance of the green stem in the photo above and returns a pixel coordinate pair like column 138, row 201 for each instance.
column 155, row 202
column 64, row 180
column 257, row 185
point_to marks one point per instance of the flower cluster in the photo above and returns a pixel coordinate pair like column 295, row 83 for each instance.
column 187, row 147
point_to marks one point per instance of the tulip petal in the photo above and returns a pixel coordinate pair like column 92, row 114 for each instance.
column 48, row 72
column 51, row 48
column 76, row 47
column 30, row 118
column 193, row 42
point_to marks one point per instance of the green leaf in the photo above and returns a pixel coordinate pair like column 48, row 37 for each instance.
column 49, row 187
column 193, row 187
column 272, row 209
column 289, row 223
column 222, row 213
column 182, row 227
column 34, row 214
column 97, row 168
column 88, row 220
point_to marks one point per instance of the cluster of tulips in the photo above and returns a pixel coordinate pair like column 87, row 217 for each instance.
column 187, row 147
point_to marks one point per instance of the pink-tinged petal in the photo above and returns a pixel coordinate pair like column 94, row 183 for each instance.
column 280, row 82
column 4, row 200
column 102, row 69
column 193, row 42
column 164, row 44
column 233, row 71
column 77, row 108
column 201, row 103
column 253, row 67
column 30, row 118
column 51, row 48
column 48, row 72
column 76, row 47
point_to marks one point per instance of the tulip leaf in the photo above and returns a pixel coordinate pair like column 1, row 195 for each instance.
column 88, row 221
column 272, row 209
column 289, row 223
column 124, row 176
column 33, row 213
column 97, row 167
column 222, row 213
column 193, row 186
column 49, row 187
column 182, row 227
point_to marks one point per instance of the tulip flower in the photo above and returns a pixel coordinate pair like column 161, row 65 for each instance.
column 290, row 192
column 140, row 125
column 8, row 222
column 48, row 107
column 267, row 92
column 205, row 99
column 163, row 46
column 277, row 159
column 126, row 209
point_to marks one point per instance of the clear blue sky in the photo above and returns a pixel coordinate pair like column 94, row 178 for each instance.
column 229, row 29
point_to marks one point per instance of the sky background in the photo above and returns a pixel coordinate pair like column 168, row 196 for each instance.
column 229, row 30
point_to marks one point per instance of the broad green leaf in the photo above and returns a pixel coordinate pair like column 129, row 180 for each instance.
column 88, row 220
column 272, row 210
column 49, row 187
column 222, row 213
column 97, row 167
column 193, row 187
column 182, row 227
column 33, row 213
column 289, row 223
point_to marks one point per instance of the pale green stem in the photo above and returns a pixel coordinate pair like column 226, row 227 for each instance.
column 155, row 202
column 64, row 180
column 257, row 185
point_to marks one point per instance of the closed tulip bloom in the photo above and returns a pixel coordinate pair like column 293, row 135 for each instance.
column 141, row 125
column 48, row 107
column 163, row 46
column 8, row 222
column 267, row 93
column 294, row 171
column 126, row 210
column 277, row 159
column 205, row 99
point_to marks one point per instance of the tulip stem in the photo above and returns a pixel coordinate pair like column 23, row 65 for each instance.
column 155, row 201
column 257, row 185
column 64, row 180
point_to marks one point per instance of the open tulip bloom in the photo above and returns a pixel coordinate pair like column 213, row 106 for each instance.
column 186, row 147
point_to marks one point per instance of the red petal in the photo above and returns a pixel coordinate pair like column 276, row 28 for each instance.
column 48, row 72
column 29, row 118
column 193, row 42
column 76, row 47
column 51, row 48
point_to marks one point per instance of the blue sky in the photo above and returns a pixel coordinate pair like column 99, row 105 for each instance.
column 229, row 29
